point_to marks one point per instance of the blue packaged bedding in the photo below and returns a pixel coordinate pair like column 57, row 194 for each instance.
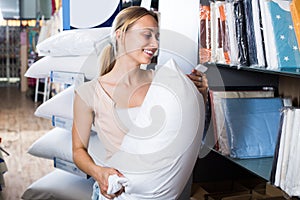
column 252, row 126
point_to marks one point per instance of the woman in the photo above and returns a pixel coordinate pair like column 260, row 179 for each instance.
column 122, row 83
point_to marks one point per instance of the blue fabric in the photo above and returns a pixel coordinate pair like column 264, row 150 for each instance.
column 286, row 42
column 252, row 126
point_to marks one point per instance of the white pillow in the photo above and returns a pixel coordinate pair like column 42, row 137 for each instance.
column 85, row 64
column 75, row 42
column 60, row 105
column 59, row 185
column 161, row 146
column 55, row 143
column 58, row 143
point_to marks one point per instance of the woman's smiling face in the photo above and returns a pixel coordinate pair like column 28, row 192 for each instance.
column 140, row 41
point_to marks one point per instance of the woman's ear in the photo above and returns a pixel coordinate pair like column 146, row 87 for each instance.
column 118, row 34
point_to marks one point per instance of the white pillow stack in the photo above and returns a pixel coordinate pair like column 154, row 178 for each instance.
column 72, row 51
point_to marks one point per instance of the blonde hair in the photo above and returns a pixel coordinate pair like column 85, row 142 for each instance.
column 123, row 21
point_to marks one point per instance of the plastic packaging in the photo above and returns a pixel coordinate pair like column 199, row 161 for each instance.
column 205, row 34
column 240, row 23
column 252, row 126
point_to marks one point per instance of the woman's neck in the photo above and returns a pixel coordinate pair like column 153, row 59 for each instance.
column 125, row 72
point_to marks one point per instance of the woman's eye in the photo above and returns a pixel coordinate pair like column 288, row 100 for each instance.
column 148, row 35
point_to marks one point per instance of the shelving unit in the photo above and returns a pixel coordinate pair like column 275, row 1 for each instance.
column 290, row 72
column 222, row 76
column 9, row 54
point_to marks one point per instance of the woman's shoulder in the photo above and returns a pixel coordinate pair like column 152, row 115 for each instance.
column 86, row 91
column 87, row 85
column 87, row 88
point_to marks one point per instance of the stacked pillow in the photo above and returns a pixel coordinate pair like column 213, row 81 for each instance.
column 69, row 52
column 72, row 51
column 86, row 64
column 76, row 42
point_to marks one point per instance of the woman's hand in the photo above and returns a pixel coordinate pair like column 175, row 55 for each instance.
column 102, row 179
column 200, row 81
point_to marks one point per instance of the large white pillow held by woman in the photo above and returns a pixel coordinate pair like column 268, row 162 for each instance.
column 159, row 151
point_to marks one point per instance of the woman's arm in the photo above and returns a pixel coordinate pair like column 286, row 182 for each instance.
column 82, row 122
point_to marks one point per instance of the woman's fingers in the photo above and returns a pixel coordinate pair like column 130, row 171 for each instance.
column 199, row 80
column 109, row 196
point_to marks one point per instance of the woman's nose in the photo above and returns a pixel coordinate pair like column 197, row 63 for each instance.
column 154, row 42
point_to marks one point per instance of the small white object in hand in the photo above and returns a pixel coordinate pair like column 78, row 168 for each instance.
column 115, row 183
column 201, row 68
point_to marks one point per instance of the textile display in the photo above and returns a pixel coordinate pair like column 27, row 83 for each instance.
column 259, row 41
column 250, row 33
column 251, row 40
column 218, row 117
column 239, row 13
column 252, row 125
column 233, row 45
column 269, row 36
column 219, row 36
column 214, row 33
column 205, row 37
column 50, row 27
column 285, row 171
column 171, row 126
column 285, row 39
column 223, row 36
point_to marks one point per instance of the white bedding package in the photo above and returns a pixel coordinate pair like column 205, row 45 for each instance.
column 160, row 146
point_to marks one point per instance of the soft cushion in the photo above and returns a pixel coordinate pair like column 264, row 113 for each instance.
column 85, row 64
column 160, row 147
column 58, row 143
column 55, row 143
column 59, row 185
column 75, row 42
column 60, row 105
